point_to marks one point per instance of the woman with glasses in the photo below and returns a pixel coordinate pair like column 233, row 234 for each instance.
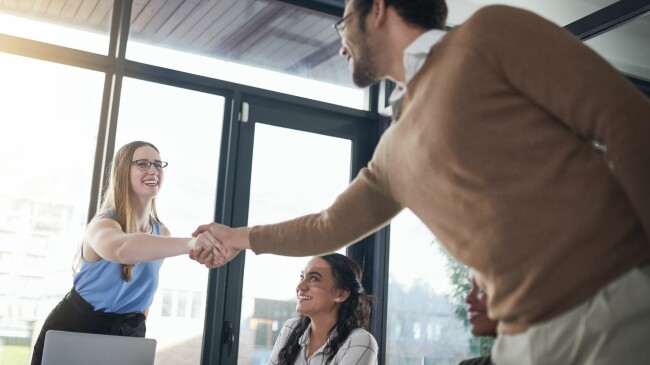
column 121, row 253
column 334, row 314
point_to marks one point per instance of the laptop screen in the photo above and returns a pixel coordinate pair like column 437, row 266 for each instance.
column 72, row 348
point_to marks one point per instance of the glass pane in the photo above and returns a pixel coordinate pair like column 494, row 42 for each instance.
column 427, row 322
column 83, row 25
column 186, row 127
column 266, row 44
column 560, row 12
column 294, row 173
column 627, row 47
column 47, row 148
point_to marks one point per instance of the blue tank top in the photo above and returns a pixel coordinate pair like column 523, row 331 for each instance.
column 100, row 284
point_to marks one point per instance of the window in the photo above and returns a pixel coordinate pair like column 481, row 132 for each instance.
column 45, row 189
column 167, row 303
column 420, row 288
column 626, row 47
column 186, row 127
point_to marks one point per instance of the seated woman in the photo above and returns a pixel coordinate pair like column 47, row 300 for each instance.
column 334, row 314
column 482, row 325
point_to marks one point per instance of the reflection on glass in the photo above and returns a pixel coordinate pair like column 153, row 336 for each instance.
column 627, row 47
column 269, row 45
column 426, row 322
column 186, row 127
column 294, row 173
column 44, row 190
column 84, row 26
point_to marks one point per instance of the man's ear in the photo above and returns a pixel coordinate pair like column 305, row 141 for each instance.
column 378, row 12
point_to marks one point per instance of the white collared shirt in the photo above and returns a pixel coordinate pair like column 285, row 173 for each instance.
column 414, row 56
column 360, row 348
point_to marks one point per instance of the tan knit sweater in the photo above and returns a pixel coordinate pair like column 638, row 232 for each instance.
column 494, row 152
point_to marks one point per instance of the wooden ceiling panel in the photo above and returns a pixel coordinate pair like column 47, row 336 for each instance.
column 254, row 31
column 38, row 6
column 70, row 8
column 288, row 34
column 148, row 12
column 204, row 22
column 320, row 35
column 175, row 19
column 85, row 10
column 242, row 14
column 54, row 8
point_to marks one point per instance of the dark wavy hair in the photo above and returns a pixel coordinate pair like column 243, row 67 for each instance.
column 353, row 313
column 427, row 14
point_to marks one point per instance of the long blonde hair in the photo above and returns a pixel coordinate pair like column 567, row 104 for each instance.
column 117, row 197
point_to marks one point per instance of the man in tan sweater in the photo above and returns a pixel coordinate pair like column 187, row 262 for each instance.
column 524, row 152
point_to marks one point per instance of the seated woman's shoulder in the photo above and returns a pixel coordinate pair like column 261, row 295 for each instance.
column 361, row 337
column 291, row 322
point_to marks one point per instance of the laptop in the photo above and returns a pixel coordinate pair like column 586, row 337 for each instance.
column 72, row 348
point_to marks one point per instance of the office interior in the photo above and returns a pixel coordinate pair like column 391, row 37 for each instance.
column 253, row 108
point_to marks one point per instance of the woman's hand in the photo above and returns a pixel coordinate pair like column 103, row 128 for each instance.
column 229, row 242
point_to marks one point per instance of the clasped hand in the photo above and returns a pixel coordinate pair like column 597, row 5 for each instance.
column 214, row 245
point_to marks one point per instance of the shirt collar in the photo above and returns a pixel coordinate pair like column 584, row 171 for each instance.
column 304, row 339
column 415, row 55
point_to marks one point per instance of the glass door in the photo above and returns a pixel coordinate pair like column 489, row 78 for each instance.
column 291, row 160
column 294, row 173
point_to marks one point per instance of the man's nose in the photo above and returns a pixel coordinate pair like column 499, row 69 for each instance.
column 343, row 52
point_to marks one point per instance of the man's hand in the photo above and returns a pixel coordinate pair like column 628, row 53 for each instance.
column 229, row 242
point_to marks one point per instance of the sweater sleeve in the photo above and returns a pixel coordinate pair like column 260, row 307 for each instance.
column 363, row 208
column 547, row 64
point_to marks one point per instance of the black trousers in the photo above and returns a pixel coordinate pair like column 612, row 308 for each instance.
column 74, row 314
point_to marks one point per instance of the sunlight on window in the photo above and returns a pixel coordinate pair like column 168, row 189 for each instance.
column 248, row 75
column 409, row 235
column 54, row 34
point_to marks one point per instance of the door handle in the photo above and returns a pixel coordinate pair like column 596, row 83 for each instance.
column 228, row 336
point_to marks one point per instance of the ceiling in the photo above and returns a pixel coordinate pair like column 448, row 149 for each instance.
column 296, row 37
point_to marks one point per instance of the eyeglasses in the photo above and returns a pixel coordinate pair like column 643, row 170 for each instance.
column 145, row 165
column 339, row 26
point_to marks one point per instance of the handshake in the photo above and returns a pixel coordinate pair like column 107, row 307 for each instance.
column 214, row 244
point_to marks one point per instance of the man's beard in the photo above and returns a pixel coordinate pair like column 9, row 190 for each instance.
column 364, row 70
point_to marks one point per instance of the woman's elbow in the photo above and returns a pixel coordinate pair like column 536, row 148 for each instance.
column 122, row 256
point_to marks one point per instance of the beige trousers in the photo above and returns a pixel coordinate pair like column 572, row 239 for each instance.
column 612, row 327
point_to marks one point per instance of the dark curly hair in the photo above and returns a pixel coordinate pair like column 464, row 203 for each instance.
column 353, row 313
column 428, row 14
